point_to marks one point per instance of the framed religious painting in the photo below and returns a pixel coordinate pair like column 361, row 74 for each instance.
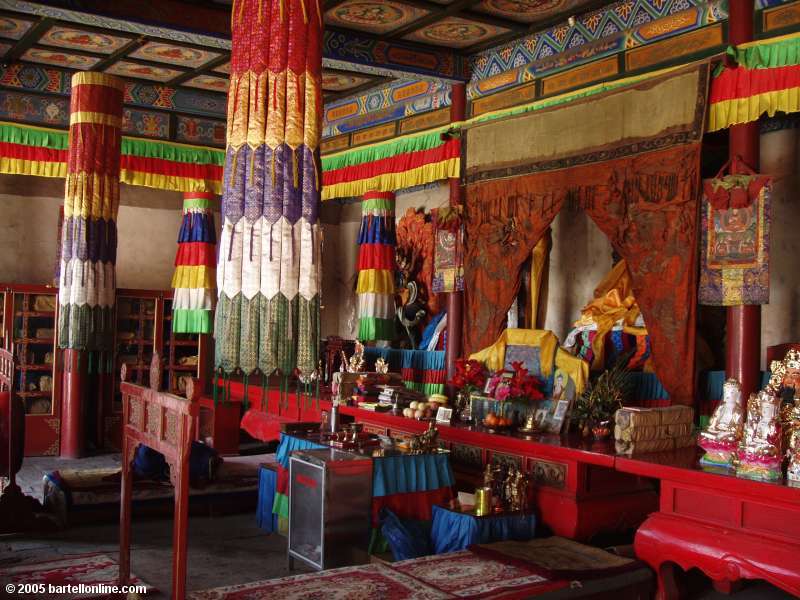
column 734, row 264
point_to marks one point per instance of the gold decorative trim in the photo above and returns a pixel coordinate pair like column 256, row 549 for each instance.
column 427, row 120
column 580, row 76
column 675, row 47
column 518, row 95
column 781, row 16
column 549, row 474
column 374, row 134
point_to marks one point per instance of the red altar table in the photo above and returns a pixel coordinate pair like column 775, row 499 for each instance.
column 269, row 409
column 577, row 492
column 729, row 528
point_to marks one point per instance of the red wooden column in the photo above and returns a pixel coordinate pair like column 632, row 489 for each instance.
column 455, row 300
column 743, row 348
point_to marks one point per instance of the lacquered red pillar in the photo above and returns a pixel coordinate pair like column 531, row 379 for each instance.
column 455, row 300
column 743, row 348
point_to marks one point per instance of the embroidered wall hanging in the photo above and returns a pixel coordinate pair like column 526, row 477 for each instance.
column 268, row 275
column 734, row 262
column 87, row 280
column 376, row 265
column 194, row 280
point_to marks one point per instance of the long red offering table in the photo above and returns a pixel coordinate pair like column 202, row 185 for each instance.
column 577, row 492
column 728, row 527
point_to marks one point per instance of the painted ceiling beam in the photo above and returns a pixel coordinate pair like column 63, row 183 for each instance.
column 210, row 27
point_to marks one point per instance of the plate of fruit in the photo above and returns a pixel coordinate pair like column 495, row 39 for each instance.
column 496, row 423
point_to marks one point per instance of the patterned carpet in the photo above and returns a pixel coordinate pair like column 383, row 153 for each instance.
column 442, row 577
column 88, row 569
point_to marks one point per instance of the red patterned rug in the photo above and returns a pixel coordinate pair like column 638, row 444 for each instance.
column 87, row 569
column 366, row 582
column 467, row 575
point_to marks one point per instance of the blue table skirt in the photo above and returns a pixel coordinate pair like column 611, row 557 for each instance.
column 265, row 519
column 410, row 473
column 452, row 531
column 390, row 474
column 289, row 444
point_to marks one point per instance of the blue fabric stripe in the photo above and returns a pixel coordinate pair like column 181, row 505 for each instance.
column 390, row 474
column 454, row 531
column 265, row 518
column 289, row 444
column 376, row 230
column 405, row 359
column 410, row 473
column 197, row 227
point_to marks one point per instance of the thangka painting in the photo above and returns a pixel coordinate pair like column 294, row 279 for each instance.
column 735, row 253
column 448, row 262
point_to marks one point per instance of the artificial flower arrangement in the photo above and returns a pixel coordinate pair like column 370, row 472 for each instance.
column 520, row 386
column 470, row 376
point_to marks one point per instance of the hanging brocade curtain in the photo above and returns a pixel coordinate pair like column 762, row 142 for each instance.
column 268, row 268
column 195, row 262
column 635, row 173
column 87, row 281
column 376, row 264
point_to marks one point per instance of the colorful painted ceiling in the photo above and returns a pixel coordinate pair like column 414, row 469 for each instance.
column 385, row 60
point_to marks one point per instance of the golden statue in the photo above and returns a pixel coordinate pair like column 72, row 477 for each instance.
column 759, row 455
column 721, row 438
column 519, row 491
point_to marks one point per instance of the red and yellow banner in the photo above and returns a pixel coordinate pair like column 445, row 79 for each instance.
column 387, row 166
column 392, row 165
column 766, row 80
column 29, row 150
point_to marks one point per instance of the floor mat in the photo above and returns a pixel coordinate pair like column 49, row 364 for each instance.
column 365, row 582
column 87, row 569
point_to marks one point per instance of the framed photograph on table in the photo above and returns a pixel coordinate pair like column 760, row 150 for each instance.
column 558, row 407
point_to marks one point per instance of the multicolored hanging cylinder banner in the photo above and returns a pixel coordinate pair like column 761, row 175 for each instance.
column 268, row 272
column 87, row 282
column 376, row 265
column 194, row 280
column 29, row 150
column 766, row 79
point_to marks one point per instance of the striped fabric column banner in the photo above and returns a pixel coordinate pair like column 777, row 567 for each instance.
column 195, row 265
column 376, row 265
column 87, row 280
column 269, row 258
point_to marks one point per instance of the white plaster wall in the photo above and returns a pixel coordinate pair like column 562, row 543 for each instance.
column 28, row 233
column 339, row 315
column 147, row 230
column 579, row 259
column 780, row 319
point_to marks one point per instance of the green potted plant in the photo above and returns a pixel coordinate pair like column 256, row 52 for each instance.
column 601, row 399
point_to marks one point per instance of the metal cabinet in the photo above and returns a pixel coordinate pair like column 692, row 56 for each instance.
column 330, row 497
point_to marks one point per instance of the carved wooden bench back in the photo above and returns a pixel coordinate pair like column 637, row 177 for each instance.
column 165, row 423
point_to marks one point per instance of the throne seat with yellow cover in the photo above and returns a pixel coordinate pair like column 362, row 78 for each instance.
column 564, row 376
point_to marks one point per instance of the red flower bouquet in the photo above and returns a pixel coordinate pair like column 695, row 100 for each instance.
column 523, row 386
column 470, row 376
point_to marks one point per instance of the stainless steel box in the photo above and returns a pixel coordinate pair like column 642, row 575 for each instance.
column 330, row 501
